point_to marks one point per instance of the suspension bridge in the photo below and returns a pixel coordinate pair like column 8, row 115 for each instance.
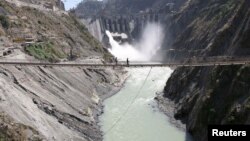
column 187, row 62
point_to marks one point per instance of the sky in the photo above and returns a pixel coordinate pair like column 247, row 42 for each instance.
column 71, row 3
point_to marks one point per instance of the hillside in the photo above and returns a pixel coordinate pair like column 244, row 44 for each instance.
column 50, row 103
column 136, row 6
column 50, row 28
column 210, row 95
column 88, row 9
column 215, row 28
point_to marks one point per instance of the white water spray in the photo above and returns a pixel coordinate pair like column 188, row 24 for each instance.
column 143, row 50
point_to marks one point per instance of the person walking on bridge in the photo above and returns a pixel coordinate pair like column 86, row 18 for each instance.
column 116, row 61
column 127, row 62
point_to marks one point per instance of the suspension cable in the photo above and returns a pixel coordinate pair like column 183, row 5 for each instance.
column 129, row 106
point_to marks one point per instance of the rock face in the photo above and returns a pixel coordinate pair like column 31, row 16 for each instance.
column 210, row 95
column 136, row 6
column 215, row 28
column 50, row 103
column 59, row 103
column 88, row 9
column 60, row 4
column 9, row 130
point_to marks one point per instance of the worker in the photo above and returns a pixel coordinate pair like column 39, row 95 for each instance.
column 127, row 62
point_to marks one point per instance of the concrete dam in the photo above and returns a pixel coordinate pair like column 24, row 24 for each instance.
column 131, row 24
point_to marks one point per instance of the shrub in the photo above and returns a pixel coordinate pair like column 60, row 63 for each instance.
column 4, row 21
column 44, row 52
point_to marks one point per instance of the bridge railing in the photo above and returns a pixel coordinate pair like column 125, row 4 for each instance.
column 194, row 61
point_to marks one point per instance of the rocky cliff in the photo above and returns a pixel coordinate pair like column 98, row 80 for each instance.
column 210, row 95
column 137, row 6
column 213, row 28
column 50, row 103
column 88, row 9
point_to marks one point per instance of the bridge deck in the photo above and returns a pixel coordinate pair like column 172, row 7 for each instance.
column 132, row 64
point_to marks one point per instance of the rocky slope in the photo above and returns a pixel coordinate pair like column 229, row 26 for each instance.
column 124, row 7
column 56, row 3
column 88, row 9
column 41, row 25
column 210, row 95
column 58, row 103
column 50, row 103
column 201, row 29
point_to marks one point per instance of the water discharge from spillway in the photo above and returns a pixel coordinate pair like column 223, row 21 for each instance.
column 142, row 50
column 133, row 115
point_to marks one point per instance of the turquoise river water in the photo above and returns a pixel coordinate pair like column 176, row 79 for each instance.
column 132, row 115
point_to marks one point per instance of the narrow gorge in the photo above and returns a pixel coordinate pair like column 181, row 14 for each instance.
column 201, row 96
column 100, row 95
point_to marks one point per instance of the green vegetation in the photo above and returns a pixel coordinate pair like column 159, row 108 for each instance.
column 39, row 22
column 231, row 119
column 11, row 131
column 4, row 21
column 247, row 105
column 244, row 74
column 215, row 14
column 45, row 51
column 2, row 138
column 225, row 10
column 230, row 84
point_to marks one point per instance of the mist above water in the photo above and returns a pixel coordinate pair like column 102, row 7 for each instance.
column 144, row 49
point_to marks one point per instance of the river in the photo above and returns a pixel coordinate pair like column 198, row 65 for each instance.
column 132, row 114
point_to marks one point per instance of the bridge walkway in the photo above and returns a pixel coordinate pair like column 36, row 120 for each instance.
column 131, row 64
